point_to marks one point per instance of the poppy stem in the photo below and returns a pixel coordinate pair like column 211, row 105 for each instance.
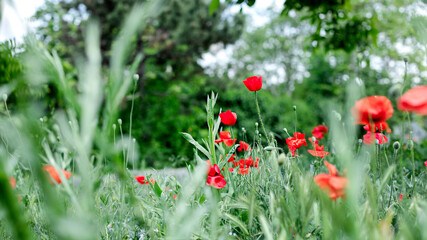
column 260, row 119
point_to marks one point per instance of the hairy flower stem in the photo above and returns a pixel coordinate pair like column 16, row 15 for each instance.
column 260, row 119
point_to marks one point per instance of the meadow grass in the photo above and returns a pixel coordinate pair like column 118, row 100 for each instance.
column 277, row 200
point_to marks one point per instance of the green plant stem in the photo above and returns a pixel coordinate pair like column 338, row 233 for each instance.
column 260, row 119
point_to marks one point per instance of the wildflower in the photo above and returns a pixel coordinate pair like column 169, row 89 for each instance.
column 318, row 150
column 243, row 170
column 175, row 196
column 246, row 164
column 414, row 100
column 228, row 118
column 52, row 174
column 332, row 182
column 12, row 182
column 425, row 163
column 369, row 138
column 253, row 83
column 400, row 197
column 295, row 142
column 373, row 111
column 141, row 179
column 243, row 146
column 215, row 178
column 225, row 137
column 319, row 131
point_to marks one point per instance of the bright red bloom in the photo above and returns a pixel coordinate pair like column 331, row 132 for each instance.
column 225, row 137
column 141, row 179
column 414, row 100
column 295, row 142
column 175, row 196
column 400, row 197
column 425, row 163
column 243, row 170
column 228, row 118
column 215, row 178
column 51, row 173
column 377, row 127
column 12, row 182
column 372, row 110
column 318, row 150
column 253, row 83
column 245, row 165
column 319, row 131
column 332, row 182
column 243, row 146
column 369, row 138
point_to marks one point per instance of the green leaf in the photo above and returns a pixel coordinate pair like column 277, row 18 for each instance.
column 237, row 221
column 214, row 6
column 156, row 188
column 190, row 139
column 386, row 177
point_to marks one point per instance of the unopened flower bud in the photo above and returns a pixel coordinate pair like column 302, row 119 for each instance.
column 136, row 77
column 295, row 108
column 410, row 144
column 360, row 141
column 4, row 97
column 256, row 124
column 405, row 59
column 114, row 126
column 396, row 145
column 119, row 121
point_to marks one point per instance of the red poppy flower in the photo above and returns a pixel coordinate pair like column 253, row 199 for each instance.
column 414, row 100
column 175, row 196
column 369, row 138
column 243, row 146
column 425, row 163
column 141, row 179
column 400, row 197
column 372, row 110
column 318, row 150
column 225, row 137
column 319, row 131
column 215, row 178
column 332, row 182
column 253, row 83
column 295, row 142
column 377, row 127
column 256, row 162
column 243, row 170
column 228, row 118
column 12, row 182
column 52, row 174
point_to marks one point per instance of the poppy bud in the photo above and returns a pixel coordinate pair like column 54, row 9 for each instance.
column 136, row 77
column 396, row 145
column 114, row 126
column 410, row 144
column 405, row 59
column 295, row 108
column 119, row 121
column 4, row 97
